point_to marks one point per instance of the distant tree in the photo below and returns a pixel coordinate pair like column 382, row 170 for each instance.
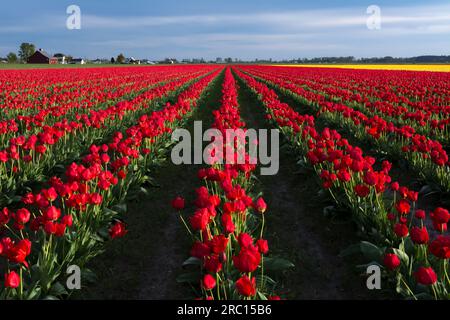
column 113, row 60
column 12, row 57
column 59, row 55
column 26, row 50
column 120, row 58
column 229, row 60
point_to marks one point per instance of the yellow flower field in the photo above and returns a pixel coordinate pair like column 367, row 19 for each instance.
column 409, row 67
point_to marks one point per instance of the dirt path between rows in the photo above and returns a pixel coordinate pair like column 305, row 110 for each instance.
column 298, row 230
column 146, row 262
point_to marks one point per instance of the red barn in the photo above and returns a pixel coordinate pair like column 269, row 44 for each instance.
column 40, row 56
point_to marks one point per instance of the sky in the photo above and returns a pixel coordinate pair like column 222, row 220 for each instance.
column 245, row 29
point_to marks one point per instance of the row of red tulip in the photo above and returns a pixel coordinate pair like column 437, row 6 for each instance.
column 430, row 120
column 430, row 117
column 50, row 86
column 426, row 156
column 417, row 265
column 227, row 225
column 68, row 221
column 76, row 102
column 31, row 158
column 417, row 91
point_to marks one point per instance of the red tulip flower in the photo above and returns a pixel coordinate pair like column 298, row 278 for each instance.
column 178, row 203
column 246, row 287
column 391, row 261
column 12, row 280
column 208, row 282
column 425, row 276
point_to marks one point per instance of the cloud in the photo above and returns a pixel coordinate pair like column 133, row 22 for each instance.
column 312, row 32
column 208, row 39
column 210, row 45
column 33, row 24
column 433, row 19
column 292, row 20
column 94, row 21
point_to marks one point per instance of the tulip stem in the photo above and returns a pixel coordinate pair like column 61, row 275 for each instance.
column 434, row 292
column 409, row 289
column 262, row 227
column 445, row 271
column 218, row 286
column 263, row 283
column 185, row 224
column 21, row 283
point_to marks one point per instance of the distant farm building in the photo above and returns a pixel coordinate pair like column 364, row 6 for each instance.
column 169, row 61
column 132, row 61
column 61, row 58
column 78, row 61
column 40, row 56
column 100, row 61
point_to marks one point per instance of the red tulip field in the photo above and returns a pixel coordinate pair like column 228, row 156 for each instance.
column 94, row 206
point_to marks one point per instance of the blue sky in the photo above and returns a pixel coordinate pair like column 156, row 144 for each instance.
column 244, row 29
